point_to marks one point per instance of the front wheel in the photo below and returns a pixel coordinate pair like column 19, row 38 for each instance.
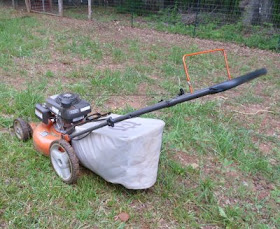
column 64, row 161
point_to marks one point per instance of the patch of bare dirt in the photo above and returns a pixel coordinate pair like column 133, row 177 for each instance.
column 119, row 102
column 55, row 68
column 186, row 159
column 137, row 101
column 17, row 82
column 251, row 109
column 265, row 148
column 112, row 67
column 270, row 125
column 151, row 206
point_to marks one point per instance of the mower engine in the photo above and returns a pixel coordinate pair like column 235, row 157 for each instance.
column 66, row 110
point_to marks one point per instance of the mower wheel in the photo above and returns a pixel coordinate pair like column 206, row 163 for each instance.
column 22, row 129
column 64, row 161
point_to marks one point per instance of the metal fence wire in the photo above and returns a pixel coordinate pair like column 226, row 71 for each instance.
column 45, row 6
column 253, row 22
column 197, row 12
column 42, row 5
column 13, row 3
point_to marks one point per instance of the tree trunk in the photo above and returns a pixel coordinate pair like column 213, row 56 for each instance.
column 266, row 10
column 251, row 12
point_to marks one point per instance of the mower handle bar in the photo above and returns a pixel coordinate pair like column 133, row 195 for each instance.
column 224, row 86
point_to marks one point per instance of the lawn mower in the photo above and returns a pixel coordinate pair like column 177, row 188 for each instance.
column 68, row 132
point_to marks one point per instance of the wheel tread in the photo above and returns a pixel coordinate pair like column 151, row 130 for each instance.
column 73, row 159
column 26, row 129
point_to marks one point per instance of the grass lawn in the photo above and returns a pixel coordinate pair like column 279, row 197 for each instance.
column 219, row 164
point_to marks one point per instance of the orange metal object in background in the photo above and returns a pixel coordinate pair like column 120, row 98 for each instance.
column 43, row 136
column 203, row 52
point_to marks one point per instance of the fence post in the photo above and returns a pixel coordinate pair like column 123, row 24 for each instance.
column 14, row 4
column 50, row 4
column 131, row 10
column 28, row 6
column 89, row 10
column 60, row 8
column 132, row 19
column 196, row 18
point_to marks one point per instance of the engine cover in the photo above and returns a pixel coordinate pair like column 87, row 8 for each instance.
column 68, row 106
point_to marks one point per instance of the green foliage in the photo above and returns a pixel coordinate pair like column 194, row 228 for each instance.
column 131, row 6
column 49, row 74
column 276, row 12
column 177, row 168
column 254, row 36
column 206, row 187
column 170, row 15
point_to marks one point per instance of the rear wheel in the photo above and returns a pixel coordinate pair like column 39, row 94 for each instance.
column 64, row 161
column 22, row 129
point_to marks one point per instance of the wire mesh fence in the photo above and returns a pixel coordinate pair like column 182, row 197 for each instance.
column 12, row 3
column 255, row 23
column 223, row 11
column 42, row 5
column 39, row 6
column 46, row 6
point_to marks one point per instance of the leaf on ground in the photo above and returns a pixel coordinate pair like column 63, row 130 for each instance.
column 122, row 217
column 194, row 165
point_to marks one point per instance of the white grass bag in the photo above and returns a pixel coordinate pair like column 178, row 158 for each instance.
column 126, row 154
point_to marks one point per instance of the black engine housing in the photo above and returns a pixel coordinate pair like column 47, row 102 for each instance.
column 67, row 106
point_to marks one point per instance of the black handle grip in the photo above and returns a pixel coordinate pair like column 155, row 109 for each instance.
column 237, row 81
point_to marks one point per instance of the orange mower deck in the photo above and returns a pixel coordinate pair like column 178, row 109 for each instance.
column 43, row 136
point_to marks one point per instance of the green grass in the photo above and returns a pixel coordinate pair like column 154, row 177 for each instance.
column 213, row 164
column 16, row 42
column 84, row 47
column 259, row 37
column 117, row 82
column 263, row 37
